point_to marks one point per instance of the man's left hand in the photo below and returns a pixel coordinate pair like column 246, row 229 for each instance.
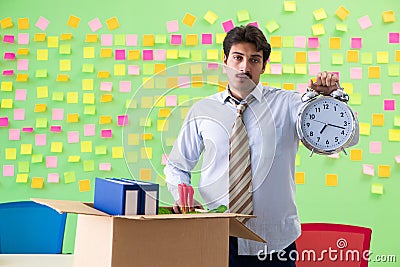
column 326, row 83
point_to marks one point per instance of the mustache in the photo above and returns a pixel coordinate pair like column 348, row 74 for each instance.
column 240, row 75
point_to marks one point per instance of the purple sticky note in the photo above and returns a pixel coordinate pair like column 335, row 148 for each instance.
column 375, row 147
column 19, row 114
column 227, row 25
column 396, row 88
column 171, row 100
column 105, row 166
column 125, row 86
column 356, row 73
column 53, row 178
column 300, row 41
column 254, row 23
column 368, row 169
column 14, row 134
column 206, row 38
column 172, row 26
column 106, row 86
column 8, row 72
column 95, row 24
column 276, row 69
column 9, row 56
column 183, row 81
column 313, row 42
column 51, row 162
column 394, row 37
column 57, row 114
column 4, row 122
column 131, row 40
column 9, row 39
column 73, row 137
column 313, row 69
column 120, row 54
column 364, row 22
column 106, row 39
column 23, row 64
column 389, row 104
column 23, row 38
column 160, row 54
column 40, row 139
column 147, row 54
column 133, row 70
column 89, row 130
column 356, row 43
column 122, row 120
column 8, row 170
column 374, row 89
column 20, row 95
column 42, row 23
column 314, row 56
column 55, row 129
column 106, row 133
column 27, row 129
column 176, row 39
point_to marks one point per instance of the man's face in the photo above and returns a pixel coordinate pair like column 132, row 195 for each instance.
column 244, row 66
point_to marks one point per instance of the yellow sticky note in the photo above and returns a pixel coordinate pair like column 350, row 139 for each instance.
column 86, row 146
column 22, row 178
column 65, row 65
column 133, row 139
column 219, row 38
column 91, row 38
column 100, row 150
column 300, row 178
column 331, row 180
column 172, row 54
column 319, row 14
column 342, row 13
column 37, row 182
column 11, row 153
column 355, row 99
column 378, row 119
column 289, row 6
column 117, row 152
column 56, row 147
column 356, row 154
column 394, row 135
column 365, row 128
column 210, row 17
column 6, row 103
column 164, row 112
column 341, row 27
column 162, row 125
column 243, row 15
column 300, row 68
column 335, row 43
column 39, row 37
column 6, row 86
column 145, row 174
column 272, row 26
column 88, row 98
column 352, row 56
column 23, row 24
column 42, row 54
column 22, row 77
column 73, row 21
column 105, row 119
column 74, row 117
column 119, row 70
column 112, row 23
column 189, row 19
column 74, row 158
column 212, row 54
column 72, row 97
column 276, row 56
column 26, row 149
column 87, row 84
column 374, row 72
column 88, row 52
column 146, row 153
column 62, row 78
column 40, row 108
column 6, row 23
column 106, row 53
column 52, row 42
column 106, row 98
column 148, row 40
column 84, row 185
column 384, row 171
column 388, row 16
column 42, row 92
column 382, row 57
column 377, row 188
column 318, row 29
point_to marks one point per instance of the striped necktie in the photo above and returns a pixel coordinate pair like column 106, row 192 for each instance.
column 240, row 185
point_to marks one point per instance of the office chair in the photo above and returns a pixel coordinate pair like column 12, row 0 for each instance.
column 27, row 227
column 333, row 245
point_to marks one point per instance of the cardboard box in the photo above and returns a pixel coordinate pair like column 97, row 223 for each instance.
column 164, row 240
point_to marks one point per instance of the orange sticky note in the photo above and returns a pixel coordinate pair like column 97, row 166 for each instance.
column 352, row 56
column 23, row 51
column 39, row 37
column 66, row 36
column 105, row 119
column 335, row 43
column 356, row 154
column 164, row 112
column 145, row 174
column 73, row 21
column 378, row 119
column 159, row 68
column 276, row 41
column 300, row 57
column 103, row 74
column 62, row 78
column 74, row 117
column 23, row 24
column 397, row 56
column 300, row 177
column 6, row 23
column 106, row 98
column 40, row 107
column 374, row 72
column 91, row 38
column 112, row 23
column 331, row 180
column 147, row 136
column 191, row 39
column 37, row 182
column 133, row 54
column 148, row 40
column 84, row 185
column 106, row 52
column 342, row 12
column 384, row 171
column 189, row 19
column 22, row 77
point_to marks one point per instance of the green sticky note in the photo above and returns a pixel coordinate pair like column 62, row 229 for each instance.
column 37, row 158
column 377, row 188
column 89, row 110
column 88, row 165
column 160, row 39
column 272, row 26
column 366, row 58
column 88, row 68
column 145, row 122
column 100, row 150
column 297, row 161
column 41, row 73
column 58, row 96
column 288, row 68
column 393, row 70
column 341, row 27
column 355, row 99
column 196, row 55
column 396, row 120
column 288, row 41
column 183, row 100
column 148, row 69
column 65, row 49
column 69, row 177
column 23, row 166
column 243, row 15
column 41, row 123
column 184, row 53
column 119, row 39
column 337, row 59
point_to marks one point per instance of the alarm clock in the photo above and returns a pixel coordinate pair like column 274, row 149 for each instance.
column 325, row 124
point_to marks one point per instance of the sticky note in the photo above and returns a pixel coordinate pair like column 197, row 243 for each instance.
column 11, row 153
column 58, row 96
column 69, row 177
column 337, row 59
column 14, row 134
column 356, row 73
column 365, row 128
column 37, row 182
column 374, row 72
column 88, row 165
column 162, row 125
column 66, row 36
column 106, row 98
column 272, row 26
column 22, row 178
column 23, row 38
column 37, row 158
column 148, row 40
column 19, row 114
column 300, row 68
column 8, row 170
column 341, row 27
column 52, row 42
column 176, row 39
column 23, row 166
column 88, row 68
column 189, row 19
column 122, row 120
column 120, row 54
column 366, row 58
column 313, row 42
column 9, row 39
column 227, row 25
column 117, row 152
column 394, row 37
column 377, row 188
column 382, row 57
column 73, row 21
column 331, row 180
column 334, row 43
column 26, row 149
column 86, row 146
column 88, row 98
column 95, row 24
column 389, row 104
column 88, row 52
column 394, row 135
column 105, row 119
column 210, row 17
column 42, row 23
column 368, row 169
column 6, row 86
column 91, row 38
column 106, row 39
column 56, row 147
column 396, row 88
column 23, row 24
column 119, row 39
column 119, row 70
column 53, row 178
column 356, row 154
column 352, row 55
column 72, row 97
column 396, row 121
column 342, row 13
column 112, row 23
column 300, row 178
column 388, row 16
column 375, row 147
column 40, row 108
column 53, row 128
column 7, row 103
column 172, row 26
column 131, row 40
column 146, row 152
column 364, row 22
column 40, row 139
column 393, row 70
column 39, row 37
column 52, row 161
column 74, row 158
column 383, row 171
column 105, row 167
column 319, row 14
column 84, row 185
column 378, row 120
column 101, row 150
column 107, row 133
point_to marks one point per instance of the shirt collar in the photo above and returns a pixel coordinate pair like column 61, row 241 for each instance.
column 257, row 93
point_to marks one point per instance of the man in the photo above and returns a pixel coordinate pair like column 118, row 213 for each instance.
column 269, row 115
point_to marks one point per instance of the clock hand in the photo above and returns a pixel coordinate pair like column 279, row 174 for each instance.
column 337, row 126
column 323, row 128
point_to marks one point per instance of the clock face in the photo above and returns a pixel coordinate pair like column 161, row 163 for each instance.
column 327, row 124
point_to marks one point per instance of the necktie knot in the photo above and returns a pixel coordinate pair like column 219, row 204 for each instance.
column 242, row 105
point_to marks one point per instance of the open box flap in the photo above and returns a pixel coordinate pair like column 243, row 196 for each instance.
column 70, row 206
column 238, row 229
column 185, row 216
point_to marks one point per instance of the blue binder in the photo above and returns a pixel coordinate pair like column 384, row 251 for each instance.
column 149, row 196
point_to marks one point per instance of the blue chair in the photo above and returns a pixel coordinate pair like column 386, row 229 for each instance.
column 27, row 227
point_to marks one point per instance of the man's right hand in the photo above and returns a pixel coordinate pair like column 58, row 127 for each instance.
column 178, row 209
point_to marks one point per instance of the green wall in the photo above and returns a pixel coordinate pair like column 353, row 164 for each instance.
column 351, row 201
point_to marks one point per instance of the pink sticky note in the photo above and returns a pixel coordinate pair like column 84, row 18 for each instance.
column 20, row 95
column 125, row 86
column 89, row 130
column 375, row 89
column 276, row 69
column 212, row 66
column 22, row 64
column 105, row 166
column 122, row 120
column 51, row 162
column 368, row 169
column 301, row 87
column 396, row 88
column 53, row 178
column 57, row 114
column 73, row 137
column 364, row 22
column 375, row 147
column 147, row 54
column 55, row 129
column 172, row 26
column 27, row 129
column 313, row 69
column 133, row 70
column 106, row 86
column 313, row 42
column 254, row 23
column 227, row 25
column 23, row 38
column 19, row 114
column 8, row 170
column 9, row 39
column 131, row 40
column 394, row 37
column 356, row 73
column 106, row 39
column 9, row 56
column 314, row 56
column 4, row 122
column 356, row 42
column 176, row 39
column 160, row 54
column 40, row 139
column 171, row 100
column 389, row 104
column 397, row 159
column 164, row 159
column 120, row 54
column 183, row 81
column 334, row 156
column 95, row 24
column 106, row 133
column 206, row 38
column 14, row 134
column 300, row 41
column 8, row 72
column 42, row 23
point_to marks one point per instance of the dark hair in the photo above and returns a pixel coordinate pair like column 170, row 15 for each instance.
column 249, row 34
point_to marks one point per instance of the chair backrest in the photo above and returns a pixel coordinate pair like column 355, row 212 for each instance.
column 328, row 245
column 27, row 227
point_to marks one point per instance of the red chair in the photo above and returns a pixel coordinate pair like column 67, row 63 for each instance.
column 333, row 245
